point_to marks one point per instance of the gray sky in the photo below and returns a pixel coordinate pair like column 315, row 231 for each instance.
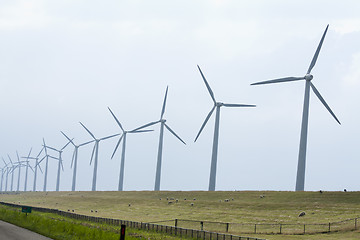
column 62, row 62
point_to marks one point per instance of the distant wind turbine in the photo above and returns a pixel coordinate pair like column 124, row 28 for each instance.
column 74, row 158
column 60, row 164
column 217, row 106
column 123, row 138
column 300, row 179
column 96, row 150
column 162, row 122
column 46, row 164
column 12, row 173
column 35, row 166
column 7, row 173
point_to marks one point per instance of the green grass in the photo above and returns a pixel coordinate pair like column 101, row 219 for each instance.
column 247, row 207
column 62, row 228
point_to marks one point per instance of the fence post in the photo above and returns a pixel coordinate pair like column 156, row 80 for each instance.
column 355, row 223
column 304, row 228
column 227, row 227
column 202, row 226
column 280, row 227
column 255, row 229
column 329, row 227
column 176, row 222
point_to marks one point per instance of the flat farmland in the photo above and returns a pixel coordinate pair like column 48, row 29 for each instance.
column 242, row 207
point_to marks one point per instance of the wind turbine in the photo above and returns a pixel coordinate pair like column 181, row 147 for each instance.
column 300, row 179
column 7, row 173
column 217, row 106
column 60, row 164
column 123, row 138
column 26, row 170
column 46, row 165
column 162, row 122
column 36, row 166
column 96, row 150
column 12, row 173
column 74, row 158
column 19, row 165
column 3, row 169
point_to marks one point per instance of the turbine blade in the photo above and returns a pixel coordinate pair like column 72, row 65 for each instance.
column 141, row 131
column 88, row 131
column 168, row 128
column 73, row 157
column 45, row 146
column 53, row 157
column 92, row 154
column 118, row 122
column 4, row 161
column 40, row 168
column 67, row 138
column 66, row 144
column 237, row 105
column 323, row 101
column 40, row 152
column 10, row 160
column 31, row 168
column 29, row 152
column 41, row 160
column 109, row 136
column 52, row 148
column 117, row 145
column 17, row 154
column 207, row 85
column 313, row 61
column 278, row 80
column 206, row 120
column 62, row 166
column 164, row 103
column 146, row 125
column 86, row 143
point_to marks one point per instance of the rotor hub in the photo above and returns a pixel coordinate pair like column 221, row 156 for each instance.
column 219, row 104
column 308, row 77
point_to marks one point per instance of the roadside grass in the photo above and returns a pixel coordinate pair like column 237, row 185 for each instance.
column 247, row 207
column 63, row 228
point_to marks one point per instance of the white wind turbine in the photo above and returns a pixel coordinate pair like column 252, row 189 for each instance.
column 12, row 173
column 96, row 151
column 162, row 122
column 7, row 173
column 300, row 179
column 27, row 169
column 3, row 170
column 217, row 106
column 19, row 165
column 60, row 164
column 74, row 158
column 46, row 164
column 35, row 167
column 123, row 138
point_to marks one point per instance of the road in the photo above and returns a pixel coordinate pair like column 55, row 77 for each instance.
column 12, row 232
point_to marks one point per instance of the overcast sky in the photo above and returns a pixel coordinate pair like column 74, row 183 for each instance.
column 62, row 62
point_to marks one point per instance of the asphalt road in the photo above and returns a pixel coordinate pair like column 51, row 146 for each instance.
column 12, row 232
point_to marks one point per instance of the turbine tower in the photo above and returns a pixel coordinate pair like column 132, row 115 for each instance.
column 123, row 138
column 35, row 167
column 217, row 106
column 60, row 164
column 163, row 124
column 96, row 150
column 19, row 165
column 300, row 178
column 74, row 158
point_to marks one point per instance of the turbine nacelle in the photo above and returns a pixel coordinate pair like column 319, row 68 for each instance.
column 162, row 120
column 219, row 104
column 308, row 77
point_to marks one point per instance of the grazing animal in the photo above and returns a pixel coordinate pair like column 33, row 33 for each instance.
column 320, row 191
column 226, row 200
column 262, row 196
column 345, row 190
column 129, row 205
column 96, row 211
column 302, row 214
column 92, row 211
column 177, row 200
column 192, row 204
column 73, row 210
column 169, row 202
column 194, row 199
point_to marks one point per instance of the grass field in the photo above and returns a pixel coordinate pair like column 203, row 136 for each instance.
column 246, row 207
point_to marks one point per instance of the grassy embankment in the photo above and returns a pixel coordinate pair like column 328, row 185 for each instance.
column 247, row 207
column 62, row 228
